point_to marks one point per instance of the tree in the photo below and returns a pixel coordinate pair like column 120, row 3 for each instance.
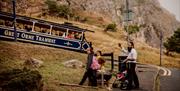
column 173, row 43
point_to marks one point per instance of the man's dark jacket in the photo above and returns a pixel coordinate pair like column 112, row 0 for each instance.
column 89, row 60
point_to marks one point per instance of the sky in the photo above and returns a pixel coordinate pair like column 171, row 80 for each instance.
column 173, row 6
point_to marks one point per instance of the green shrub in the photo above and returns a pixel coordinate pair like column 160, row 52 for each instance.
column 59, row 10
column 64, row 11
column 111, row 27
column 132, row 29
column 52, row 6
column 21, row 80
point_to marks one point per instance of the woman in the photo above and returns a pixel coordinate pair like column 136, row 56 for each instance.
column 90, row 73
column 106, row 74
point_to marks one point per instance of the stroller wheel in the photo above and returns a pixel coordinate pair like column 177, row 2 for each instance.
column 123, row 88
column 115, row 85
column 124, row 85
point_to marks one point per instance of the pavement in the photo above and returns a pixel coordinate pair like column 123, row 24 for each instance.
column 146, row 75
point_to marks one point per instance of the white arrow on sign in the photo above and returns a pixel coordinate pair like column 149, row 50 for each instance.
column 68, row 43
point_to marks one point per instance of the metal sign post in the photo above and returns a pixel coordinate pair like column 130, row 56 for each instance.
column 14, row 21
column 127, row 17
column 161, row 39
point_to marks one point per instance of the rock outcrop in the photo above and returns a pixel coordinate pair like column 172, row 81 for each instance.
column 33, row 63
column 74, row 63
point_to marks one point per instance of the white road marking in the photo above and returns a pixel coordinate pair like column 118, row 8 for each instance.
column 169, row 72
column 166, row 71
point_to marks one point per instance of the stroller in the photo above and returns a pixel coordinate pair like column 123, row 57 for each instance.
column 121, row 80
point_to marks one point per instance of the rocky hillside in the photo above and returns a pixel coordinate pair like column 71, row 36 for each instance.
column 147, row 14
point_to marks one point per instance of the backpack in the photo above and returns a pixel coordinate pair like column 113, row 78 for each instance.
column 95, row 65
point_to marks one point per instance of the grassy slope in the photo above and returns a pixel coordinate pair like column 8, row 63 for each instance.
column 13, row 54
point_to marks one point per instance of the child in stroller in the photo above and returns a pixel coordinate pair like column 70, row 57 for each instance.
column 121, row 80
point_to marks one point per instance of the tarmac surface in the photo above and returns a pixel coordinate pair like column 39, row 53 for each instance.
column 146, row 75
column 171, row 82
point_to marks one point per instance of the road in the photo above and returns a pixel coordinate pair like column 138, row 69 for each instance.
column 169, row 78
column 146, row 75
column 172, row 82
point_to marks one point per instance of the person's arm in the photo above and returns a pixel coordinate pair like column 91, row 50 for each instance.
column 131, row 59
column 132, row 56
column 128, row 57
column 124, row 50
column 125, row 60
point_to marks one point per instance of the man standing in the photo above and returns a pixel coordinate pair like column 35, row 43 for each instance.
column 131, row 60
column 90, row 73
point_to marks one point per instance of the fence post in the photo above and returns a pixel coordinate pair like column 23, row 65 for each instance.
column 14, row 21
column 119, row 63
column 112, row 61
